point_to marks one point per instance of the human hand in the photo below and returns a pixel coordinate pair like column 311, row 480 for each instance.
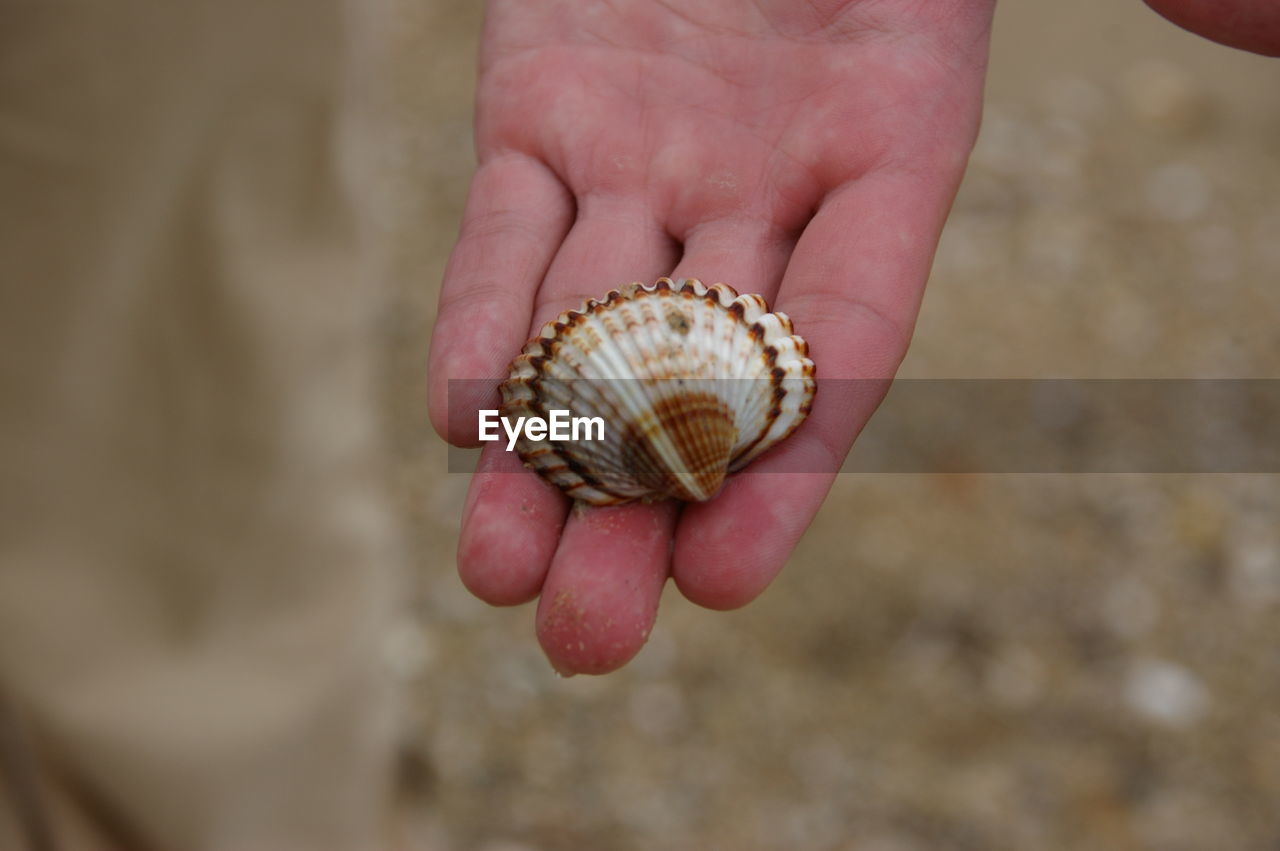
column 806, row 151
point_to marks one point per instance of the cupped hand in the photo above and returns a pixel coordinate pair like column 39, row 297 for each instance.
column 807, row 151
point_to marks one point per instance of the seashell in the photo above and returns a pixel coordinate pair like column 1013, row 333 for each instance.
column 691, row 383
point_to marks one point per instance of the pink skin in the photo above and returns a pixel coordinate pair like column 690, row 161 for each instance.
column 807, row 151
column 1247, row 24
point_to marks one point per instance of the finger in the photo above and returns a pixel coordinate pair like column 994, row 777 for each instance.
column 514, row 519
column 601, row 596
column 852, row 290
column 510, row 528
column 749, row 255
column 614, row 241
column 1248, row 26
column 516, row 216
column 601, row 592
column 728, row 550
column 855, row 283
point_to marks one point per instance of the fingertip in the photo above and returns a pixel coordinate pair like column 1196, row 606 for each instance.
column 510, row 528
column 601, row 596
column 729, row 550
column 709, row 577
column 719, row 564
column 497, row 572
column 578, row 638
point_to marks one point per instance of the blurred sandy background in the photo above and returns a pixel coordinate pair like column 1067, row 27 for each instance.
column 958, row 662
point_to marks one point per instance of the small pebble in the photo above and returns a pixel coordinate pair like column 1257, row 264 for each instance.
column 1166, row 693
column 1177, row 192
column 1161, row 94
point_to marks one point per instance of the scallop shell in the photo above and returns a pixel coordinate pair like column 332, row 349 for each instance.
column 691, row 383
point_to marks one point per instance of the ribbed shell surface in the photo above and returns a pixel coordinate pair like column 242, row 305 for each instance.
column 691, row 382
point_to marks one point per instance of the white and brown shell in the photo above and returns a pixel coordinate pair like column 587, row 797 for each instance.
column 692, row 383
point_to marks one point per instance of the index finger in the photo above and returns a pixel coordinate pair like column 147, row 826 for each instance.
column 516, row 216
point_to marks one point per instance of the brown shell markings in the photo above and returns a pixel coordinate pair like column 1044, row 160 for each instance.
column 691, row 383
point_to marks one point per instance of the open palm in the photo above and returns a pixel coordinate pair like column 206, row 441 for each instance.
column 807, row 151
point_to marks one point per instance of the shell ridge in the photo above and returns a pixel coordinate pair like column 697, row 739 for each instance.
column 688, row 450
column 705, row 357
column 637, row 389
column 692, row 381
column 579, row 403
column 618, row 378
